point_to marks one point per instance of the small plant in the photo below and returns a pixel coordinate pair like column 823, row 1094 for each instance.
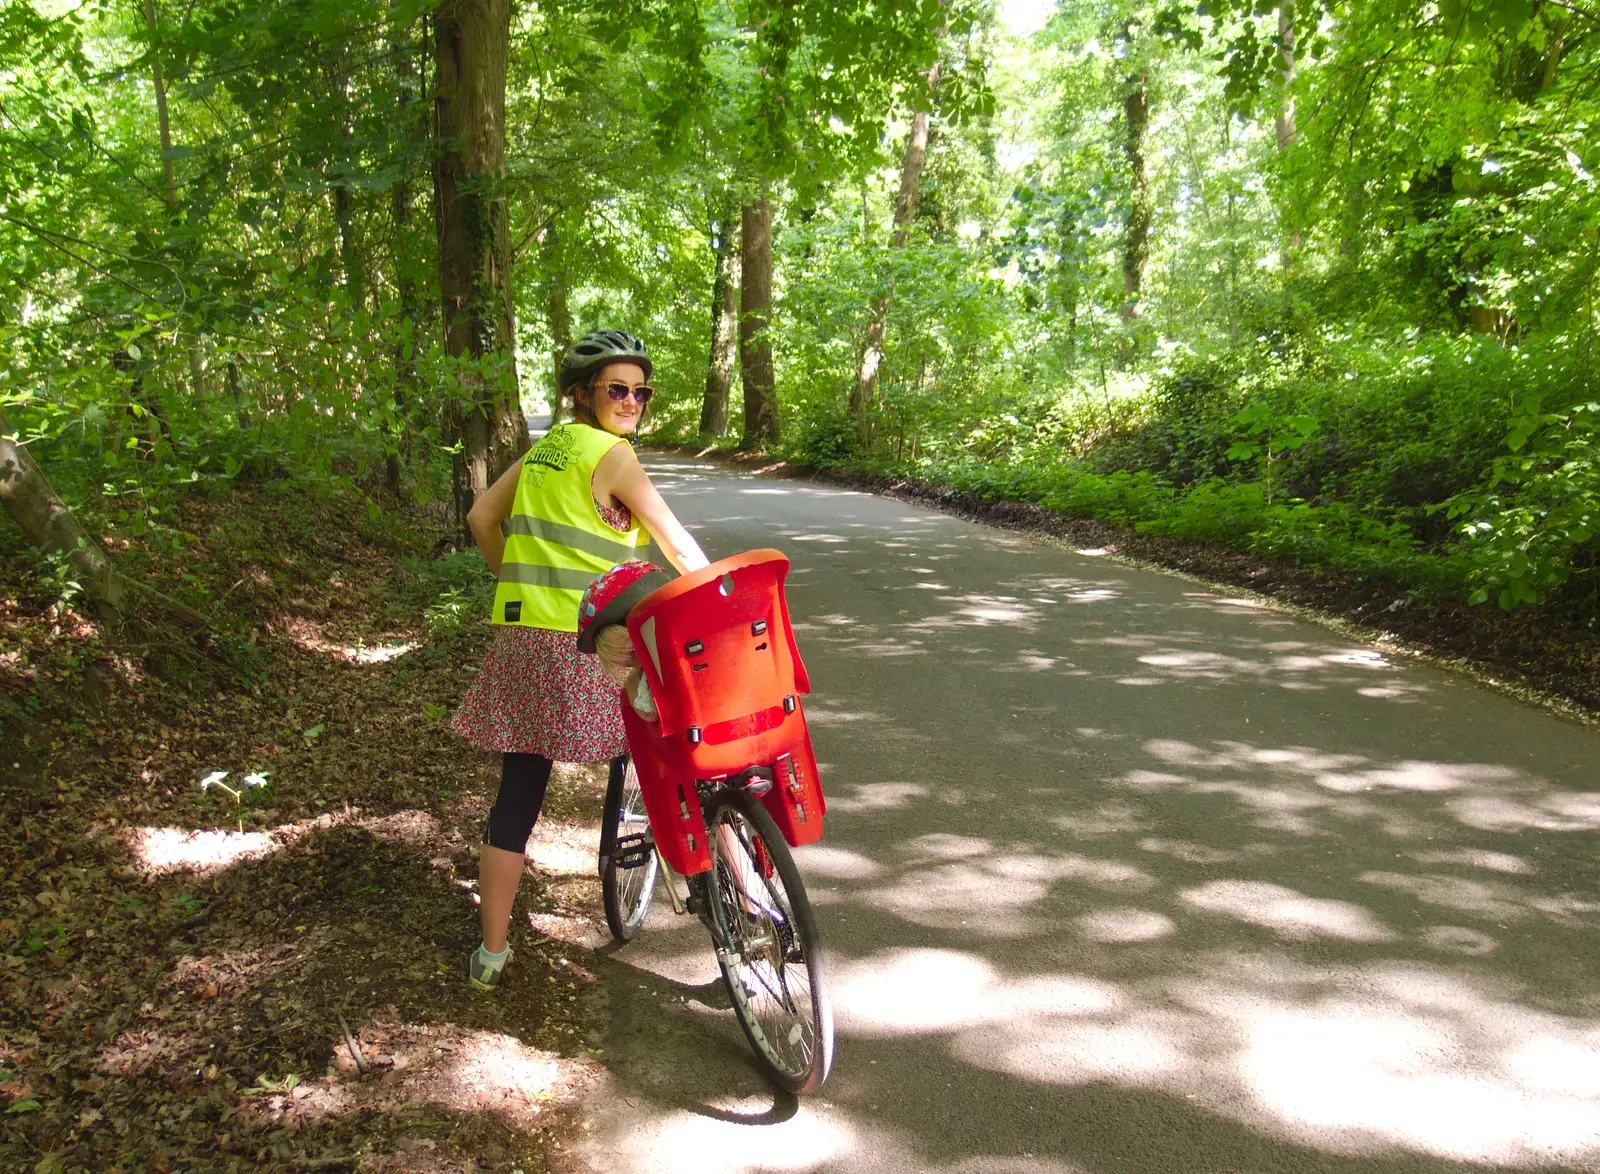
column 57, row 579
column 255, row 781
column 1268, row 435
column 447, row 615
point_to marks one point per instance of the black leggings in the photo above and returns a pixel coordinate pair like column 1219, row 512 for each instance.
column 523, row 779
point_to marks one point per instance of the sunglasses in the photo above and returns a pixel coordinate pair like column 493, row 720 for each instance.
column 621, row 391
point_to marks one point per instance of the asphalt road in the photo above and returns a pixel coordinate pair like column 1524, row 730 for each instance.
column 1126, row 874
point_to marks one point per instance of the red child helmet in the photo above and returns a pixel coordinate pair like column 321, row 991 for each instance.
column 614, row 594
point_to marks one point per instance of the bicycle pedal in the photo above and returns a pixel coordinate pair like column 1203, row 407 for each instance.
column 634, row 851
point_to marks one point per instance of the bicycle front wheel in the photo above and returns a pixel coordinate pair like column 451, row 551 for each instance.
column 629, row 866
column 767, row 944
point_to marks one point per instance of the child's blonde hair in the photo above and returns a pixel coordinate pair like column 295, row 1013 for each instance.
column 615, row 650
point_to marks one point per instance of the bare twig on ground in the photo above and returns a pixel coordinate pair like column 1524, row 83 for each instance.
column 350, row 1042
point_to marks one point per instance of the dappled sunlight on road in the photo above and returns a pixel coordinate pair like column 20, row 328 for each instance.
column 1497, row 900
column 991, row 893
column 684, row 1142
column 835, row 863
column 872, row 796
column 1286, row 787
column 1125, row 874
column 1566, row 812
column 1287, row 913
column 1359, row 1059
column 1124, row 925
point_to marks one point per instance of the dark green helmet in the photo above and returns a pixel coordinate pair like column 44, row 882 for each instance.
column 599, row 349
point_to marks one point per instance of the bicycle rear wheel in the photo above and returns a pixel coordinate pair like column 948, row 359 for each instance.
column 767, row 944
column 629, row 866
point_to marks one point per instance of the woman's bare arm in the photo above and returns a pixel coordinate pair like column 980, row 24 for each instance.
column 486, row 514
column 620, row 475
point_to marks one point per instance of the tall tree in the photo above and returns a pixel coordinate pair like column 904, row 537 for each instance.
column 755, row 309
column 1136, row 235
column 343, row 198
column 412, row 142
column 169, row 183
column 864, row 389
column 724, row 322
column 471, row 43
column 1283, row 121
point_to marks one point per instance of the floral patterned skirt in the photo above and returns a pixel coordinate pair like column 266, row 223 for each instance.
column 537, row 694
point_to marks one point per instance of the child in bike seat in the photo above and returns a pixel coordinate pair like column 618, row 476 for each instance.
column 602, row 627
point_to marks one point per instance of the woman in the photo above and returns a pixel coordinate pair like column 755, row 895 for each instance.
column 575, row 505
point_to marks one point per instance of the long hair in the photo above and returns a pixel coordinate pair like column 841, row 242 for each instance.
column 583, row 413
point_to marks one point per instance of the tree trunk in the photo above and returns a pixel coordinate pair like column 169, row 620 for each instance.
column 44, row 518
column 1284, row 122
column 169, row 180
column 1286, row 74
column 26, row 495
column 471, row 43
column 724, row 327
column 1136, row 242
column 169, row 187
column 344, row 202
column 414, row 128
column 755, row 311
column 557, row 266
column 236, row 393
column 864, row 390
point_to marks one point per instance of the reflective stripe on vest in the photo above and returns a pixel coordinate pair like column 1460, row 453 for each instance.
column 556, row 542
column 566, row 579
column 604, row 545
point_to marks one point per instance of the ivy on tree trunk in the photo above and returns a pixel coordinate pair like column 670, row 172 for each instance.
column 471, row 41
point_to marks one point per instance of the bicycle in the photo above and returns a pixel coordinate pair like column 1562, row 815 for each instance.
column 729, row 783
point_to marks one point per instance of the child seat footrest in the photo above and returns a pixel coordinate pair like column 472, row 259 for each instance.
column 634, row 851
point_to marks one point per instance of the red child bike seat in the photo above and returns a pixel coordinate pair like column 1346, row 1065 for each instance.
column 718, row 651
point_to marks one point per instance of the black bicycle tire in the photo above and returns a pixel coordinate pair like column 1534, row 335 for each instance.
column 805, row 926
column 623, row 928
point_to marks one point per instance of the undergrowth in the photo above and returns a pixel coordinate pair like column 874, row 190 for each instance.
column 1450, row 467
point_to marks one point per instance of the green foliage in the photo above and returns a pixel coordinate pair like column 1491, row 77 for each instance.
column 55, row 582
column 827, row 441
column 1532, row 529
column 1367, row 344
column 453, row 591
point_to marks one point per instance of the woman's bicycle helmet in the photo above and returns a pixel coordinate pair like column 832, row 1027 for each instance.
column 598, row 349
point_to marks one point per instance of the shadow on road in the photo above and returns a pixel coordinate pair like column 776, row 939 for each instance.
column 1121, row 874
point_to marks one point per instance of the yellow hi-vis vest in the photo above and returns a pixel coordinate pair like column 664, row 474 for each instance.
column 556, row 541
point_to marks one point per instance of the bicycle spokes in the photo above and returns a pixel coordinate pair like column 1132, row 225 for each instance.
column 767, row 975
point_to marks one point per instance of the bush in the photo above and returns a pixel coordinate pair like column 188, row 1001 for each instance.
column 1123, row 498
column 1215, row 511
column 1535, row 526
column 827, row 440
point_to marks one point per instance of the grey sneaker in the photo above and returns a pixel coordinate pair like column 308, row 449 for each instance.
column 485, row 975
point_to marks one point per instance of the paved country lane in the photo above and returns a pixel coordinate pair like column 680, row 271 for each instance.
column 1125, row 874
